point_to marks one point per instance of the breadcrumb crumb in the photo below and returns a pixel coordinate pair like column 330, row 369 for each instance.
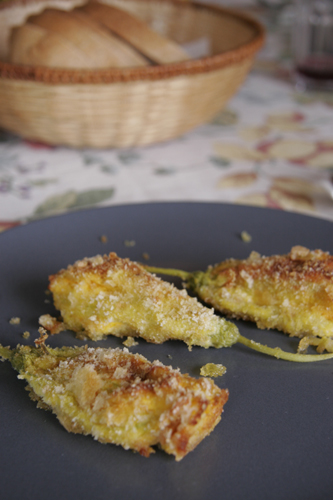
column 130, row 342
column 26, row 335
column 15, row 321
column 246, row 237
column 212, row 370
column 129, row 243
column 103, row 238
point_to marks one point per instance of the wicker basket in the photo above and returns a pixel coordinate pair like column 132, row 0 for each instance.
column 132, row 106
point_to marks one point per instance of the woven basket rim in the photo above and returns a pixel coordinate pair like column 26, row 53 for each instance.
column 114, row 75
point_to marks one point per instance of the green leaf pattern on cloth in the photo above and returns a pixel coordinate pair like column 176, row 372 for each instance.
column 72, row 200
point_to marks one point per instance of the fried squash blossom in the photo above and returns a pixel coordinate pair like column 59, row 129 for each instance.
column 292, row 293
column 106, row 295
column 119, row 397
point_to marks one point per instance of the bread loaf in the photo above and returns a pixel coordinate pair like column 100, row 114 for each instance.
column 156, row 47
column 34, row 45
column 95, row 35
column 70, row 40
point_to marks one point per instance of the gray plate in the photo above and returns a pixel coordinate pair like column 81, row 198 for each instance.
column 275, row 438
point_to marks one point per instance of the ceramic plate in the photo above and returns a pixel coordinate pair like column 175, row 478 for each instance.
column 275, row 438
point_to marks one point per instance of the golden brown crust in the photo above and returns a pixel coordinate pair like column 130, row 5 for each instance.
column 301, row 264
column 106, row 295
column 121, row 398
column 292, row 292
column 101, row 265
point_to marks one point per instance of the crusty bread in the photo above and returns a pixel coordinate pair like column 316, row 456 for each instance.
column 156, row 47
column 100, row 47
column 34, row 45
column 92, row 36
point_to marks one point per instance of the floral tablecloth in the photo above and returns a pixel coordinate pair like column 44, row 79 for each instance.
column 270, row 146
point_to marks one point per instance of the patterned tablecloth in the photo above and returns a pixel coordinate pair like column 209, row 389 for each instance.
column 270, row 146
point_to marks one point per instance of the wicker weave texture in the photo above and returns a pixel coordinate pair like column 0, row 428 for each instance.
column 123, row 108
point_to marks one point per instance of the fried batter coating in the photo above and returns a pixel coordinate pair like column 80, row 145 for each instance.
column 292, row 293
column 119, row 397
column 108, row 295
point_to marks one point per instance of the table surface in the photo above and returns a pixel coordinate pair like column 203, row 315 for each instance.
column 271, row 146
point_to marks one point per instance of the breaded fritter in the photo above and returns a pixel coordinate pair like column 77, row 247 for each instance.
column 292, row 293
column 108, row 295
column 119, row 397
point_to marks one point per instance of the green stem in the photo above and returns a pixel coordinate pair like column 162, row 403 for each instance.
column 172, row 272
column 279, row 354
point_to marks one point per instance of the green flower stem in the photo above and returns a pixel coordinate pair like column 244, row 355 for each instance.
column 279, row 354
column 184, row 275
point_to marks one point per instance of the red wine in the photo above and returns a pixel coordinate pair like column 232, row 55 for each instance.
column 317, row 68
column 315, row 73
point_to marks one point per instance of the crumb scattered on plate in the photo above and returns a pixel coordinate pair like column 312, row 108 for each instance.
column 26, row 335
column 145, row 256
column 15, row 321
column 103, row 238
column 129, row 243
column 212, row 370
column 130, row 342
column 246, row 237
